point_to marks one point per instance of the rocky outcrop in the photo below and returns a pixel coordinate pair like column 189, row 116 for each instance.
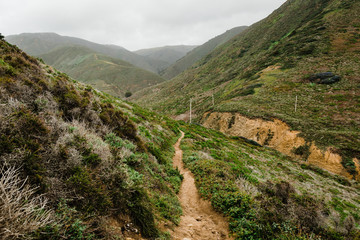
column 324, row 78
column 278, row 135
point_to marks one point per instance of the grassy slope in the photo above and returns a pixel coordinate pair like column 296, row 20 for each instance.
column 199, row 52
column 99, row 160
column 94, row 157
column 42, row 43
column 299, row 39
column 265, row 194
column 107, row 74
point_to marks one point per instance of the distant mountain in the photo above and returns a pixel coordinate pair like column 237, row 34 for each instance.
column 40, row 43
column 167, row 54
column 200, row 52
column 108, row 74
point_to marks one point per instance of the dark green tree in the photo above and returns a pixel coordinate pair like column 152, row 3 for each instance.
column 1, row 37
column 128, row 94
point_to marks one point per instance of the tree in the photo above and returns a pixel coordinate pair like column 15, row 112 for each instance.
column 1, row 37
column 128, row 94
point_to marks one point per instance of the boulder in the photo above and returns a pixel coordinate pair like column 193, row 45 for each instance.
column 324, row 78
column 331, row 80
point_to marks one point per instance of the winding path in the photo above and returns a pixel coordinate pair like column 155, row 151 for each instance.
column 199, row 220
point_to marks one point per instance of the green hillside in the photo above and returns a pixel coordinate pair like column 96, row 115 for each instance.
column 107, row 74
column 76, row 163
column 287, row 56
column 199, row 52
column 167, row 54
column 41, row 43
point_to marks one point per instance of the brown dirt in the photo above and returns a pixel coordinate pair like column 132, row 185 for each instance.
column 199, row 220
column 278, row 135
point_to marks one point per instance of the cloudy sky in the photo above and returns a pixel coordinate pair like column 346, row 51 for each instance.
column 133, row 24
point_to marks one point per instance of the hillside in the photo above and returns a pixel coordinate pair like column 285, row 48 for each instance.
column 41, row 43
column 107, row 74
column 199, row 52
column 167, row 54
column 76, row 163
column 305, row 54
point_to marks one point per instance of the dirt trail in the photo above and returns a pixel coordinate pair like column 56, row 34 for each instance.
column 199, row 220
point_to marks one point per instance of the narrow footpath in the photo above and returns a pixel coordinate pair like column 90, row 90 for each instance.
column 199, row 220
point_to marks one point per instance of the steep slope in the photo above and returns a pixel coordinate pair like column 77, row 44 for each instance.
column 76, row 163
column 40, row 43
column 198, row 53
column 167, row 54
column 299, row 65
column 107, row 74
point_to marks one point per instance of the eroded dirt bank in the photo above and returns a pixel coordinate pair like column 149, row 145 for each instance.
column 199, row 220
column 277, row 134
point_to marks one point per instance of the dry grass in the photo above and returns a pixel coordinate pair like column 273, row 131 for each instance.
column 21, row 211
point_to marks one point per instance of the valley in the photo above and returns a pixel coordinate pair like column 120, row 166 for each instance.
column 254, row 134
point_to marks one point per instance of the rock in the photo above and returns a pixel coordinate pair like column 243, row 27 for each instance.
column 332, row 80
column 318, row 76
column 198, row 219
column 324, row 78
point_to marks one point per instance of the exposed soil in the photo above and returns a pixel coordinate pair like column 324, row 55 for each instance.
column 199, row 220
column 278, row 135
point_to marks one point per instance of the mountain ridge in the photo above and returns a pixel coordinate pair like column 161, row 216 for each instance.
column 41, row 43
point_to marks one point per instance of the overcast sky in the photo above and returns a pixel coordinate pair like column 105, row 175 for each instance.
column 133, row 24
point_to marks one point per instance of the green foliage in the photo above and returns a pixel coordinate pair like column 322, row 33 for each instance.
column 258, row 202
column 95, row 196
column 68, row 225
column 142, row 215
column 169, row 208
column 157, row 153
column 92, row 159
column 303, row 151
column 118, row 142
column 128, row 94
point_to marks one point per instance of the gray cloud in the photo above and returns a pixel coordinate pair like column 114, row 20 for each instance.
column 133, row 24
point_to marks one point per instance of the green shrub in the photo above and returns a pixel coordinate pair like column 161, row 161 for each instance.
column 92, row 159
column 95, row 198
column 157, row 153
column 128, row 94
